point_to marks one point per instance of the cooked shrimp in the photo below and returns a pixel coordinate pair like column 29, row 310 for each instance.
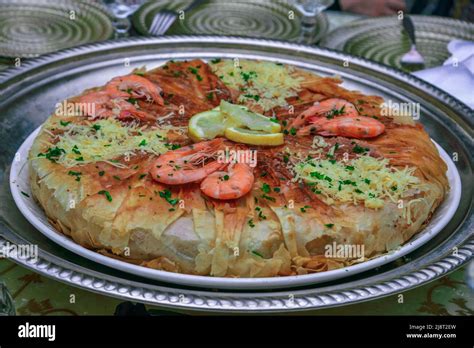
column 134, row 86
column 128, row 110
column 329, row 107
column 97, row 105
column 187, row 164
column 234, row 183
column 347, row 126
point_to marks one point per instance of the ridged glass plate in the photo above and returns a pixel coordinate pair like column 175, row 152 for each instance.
column 29, row 28
column 270, row 19
column 383, row 39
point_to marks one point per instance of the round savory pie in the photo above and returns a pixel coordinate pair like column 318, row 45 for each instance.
column 235, row 169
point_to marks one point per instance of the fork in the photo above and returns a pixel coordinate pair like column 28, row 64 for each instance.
column 412, row 56
column 165, row 18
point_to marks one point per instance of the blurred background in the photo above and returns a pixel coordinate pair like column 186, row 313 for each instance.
column 433, row 39
column 368, row 28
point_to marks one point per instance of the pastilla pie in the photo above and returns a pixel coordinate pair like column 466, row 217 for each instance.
column 234, row 169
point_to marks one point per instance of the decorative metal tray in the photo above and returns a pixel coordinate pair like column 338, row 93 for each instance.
column 30, row 92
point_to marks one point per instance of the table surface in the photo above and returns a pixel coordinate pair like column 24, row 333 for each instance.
column 34, row 294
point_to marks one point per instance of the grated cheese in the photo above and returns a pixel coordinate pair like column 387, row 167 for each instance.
column 262, row 83
column 82, row 144
column 318, row 142
column 364, row 179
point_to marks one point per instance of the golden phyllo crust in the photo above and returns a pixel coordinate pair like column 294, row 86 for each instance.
column 91, row 175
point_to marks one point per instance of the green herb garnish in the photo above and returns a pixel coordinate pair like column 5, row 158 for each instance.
column 166, row 194
column 107, row 195
column 52, row 154
column 76, row 174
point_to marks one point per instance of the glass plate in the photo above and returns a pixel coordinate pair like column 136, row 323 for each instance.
column 383, row 39
column 264, row 19
column 29, row 28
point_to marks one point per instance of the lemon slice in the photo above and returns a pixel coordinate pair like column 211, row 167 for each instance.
column 206, row 125
column 243, row 117
column 253, row 137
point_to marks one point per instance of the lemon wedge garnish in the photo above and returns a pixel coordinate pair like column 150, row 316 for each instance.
column 253, row 137
column 251, row 120
column 236, row 123
column 206, row 125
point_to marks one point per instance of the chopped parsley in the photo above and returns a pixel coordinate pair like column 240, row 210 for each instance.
column 172, row 146
column 329, row 225
column 107, row 195
column 251, row 224
column 195, row 71
column 76, row 174
column 52, row 154
column 272, row 199
column 166, row 194
column 248, row 76
column 64, row 123
column 252, row 96
column 317, row 175
column 359, row 149
column 260, row 213
column 266, row 188
column 335, row 112
column 303, row 209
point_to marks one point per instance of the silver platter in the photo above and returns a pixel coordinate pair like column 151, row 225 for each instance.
column 30, row 92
